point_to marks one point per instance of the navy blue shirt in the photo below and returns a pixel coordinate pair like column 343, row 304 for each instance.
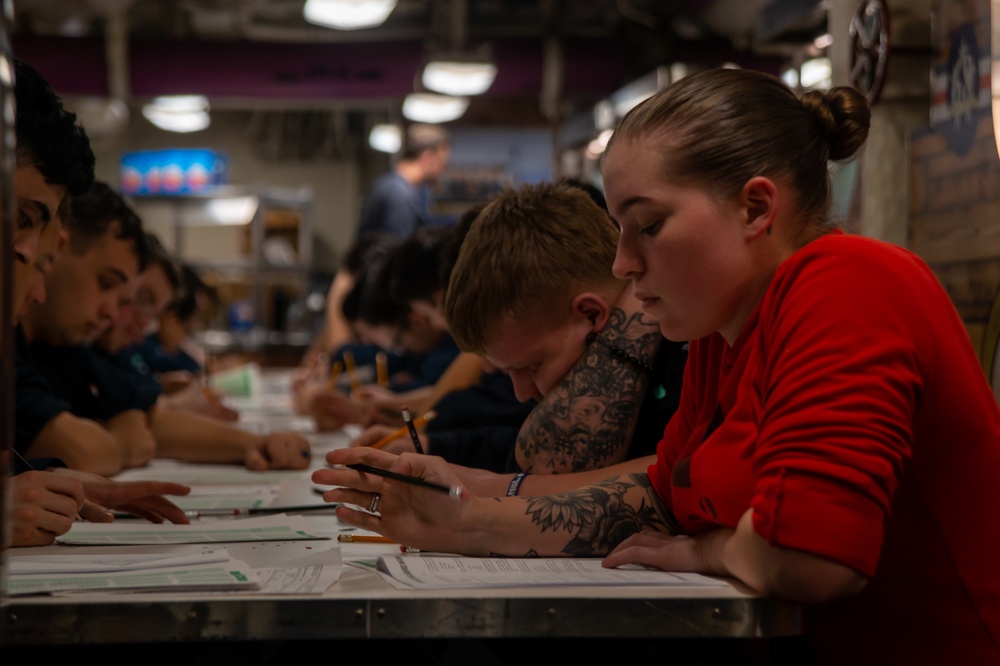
column 35, row 403
column 150, row 358
column 396, row 206
column 93, row 383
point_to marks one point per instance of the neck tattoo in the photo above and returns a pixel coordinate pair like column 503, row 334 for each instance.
column 659, row 391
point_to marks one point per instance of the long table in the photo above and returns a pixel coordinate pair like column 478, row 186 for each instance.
column 361, row 605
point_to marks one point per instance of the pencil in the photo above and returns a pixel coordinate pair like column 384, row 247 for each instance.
column 454, row 492
column 382, row 368
column 418, row 422
column 349, row 364
column 361, row 538
column 210, row 396
column 335, row 370
column 408, row 420
column 76, row 516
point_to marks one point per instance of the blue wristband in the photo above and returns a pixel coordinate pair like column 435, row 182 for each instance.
column 515, row 484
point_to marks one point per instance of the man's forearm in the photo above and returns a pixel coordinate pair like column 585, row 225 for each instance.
column 80, row 443
column 184, row 435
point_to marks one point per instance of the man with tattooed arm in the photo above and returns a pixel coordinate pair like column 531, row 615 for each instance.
column 532, row 292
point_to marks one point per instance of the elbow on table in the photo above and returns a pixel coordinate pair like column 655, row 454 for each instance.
column 818, row 584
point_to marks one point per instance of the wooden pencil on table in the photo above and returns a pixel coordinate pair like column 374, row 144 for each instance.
column 363, row 538
column 335, row 369
column 351, row 374
column 382, row 369
column 417, row 422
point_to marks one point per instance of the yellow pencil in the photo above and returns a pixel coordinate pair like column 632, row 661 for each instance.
column 382, row 368
column 335, row 370
column 349, row 364
column 362, row 538
column 417, row 422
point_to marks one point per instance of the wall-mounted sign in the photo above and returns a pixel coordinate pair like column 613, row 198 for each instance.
column 173, row 171
column 960, row 71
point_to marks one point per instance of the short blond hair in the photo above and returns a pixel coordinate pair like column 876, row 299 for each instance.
column 528, row 253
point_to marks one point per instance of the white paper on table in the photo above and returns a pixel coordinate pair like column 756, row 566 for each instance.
column 279, row 527
column 204, row 474
column 230, row 575
column 422, row 572
column 81, row 561
column 312, row 573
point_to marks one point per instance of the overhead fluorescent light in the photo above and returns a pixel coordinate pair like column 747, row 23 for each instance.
column 456, row 76
column 816, row 73
column 386, row 138
column 433, row 108
column 178, row 113
column 348, row 14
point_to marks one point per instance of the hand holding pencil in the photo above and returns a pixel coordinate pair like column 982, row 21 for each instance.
column 380, row 436
column 413, row 499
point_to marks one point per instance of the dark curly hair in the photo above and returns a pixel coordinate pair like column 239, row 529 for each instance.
column 48, row 136
column 93, row 213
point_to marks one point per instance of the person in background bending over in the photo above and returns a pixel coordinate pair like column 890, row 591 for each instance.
column 837, row 443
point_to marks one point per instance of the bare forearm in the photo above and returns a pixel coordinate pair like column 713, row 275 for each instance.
column 132, row 431
column 792, row 574
column 80, row 443
column 196, row 438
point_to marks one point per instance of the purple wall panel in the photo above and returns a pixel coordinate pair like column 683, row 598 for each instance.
column 268, row 70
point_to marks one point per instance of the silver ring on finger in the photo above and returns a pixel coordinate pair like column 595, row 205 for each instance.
column 376, row 500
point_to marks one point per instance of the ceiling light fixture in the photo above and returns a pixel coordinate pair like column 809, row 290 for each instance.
column 386, row 138
column 348, row 14
column 178, row 113
column 433, row 108
column 458, row 75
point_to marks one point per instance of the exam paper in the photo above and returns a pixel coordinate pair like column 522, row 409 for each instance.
column 204, row 474
column 422, row 572
column 279, row 567
column 280, row 527
column 76, row 561
column 233, row 575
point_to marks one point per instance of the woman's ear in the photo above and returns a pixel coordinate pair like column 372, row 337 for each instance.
column 759, row 199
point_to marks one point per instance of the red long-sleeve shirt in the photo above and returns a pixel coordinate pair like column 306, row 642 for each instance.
column 858, row 424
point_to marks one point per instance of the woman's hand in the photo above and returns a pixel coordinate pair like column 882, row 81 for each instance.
column 664, row 552
column 407, row 513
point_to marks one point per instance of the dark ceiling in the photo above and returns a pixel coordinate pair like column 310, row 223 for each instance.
column 555, row 57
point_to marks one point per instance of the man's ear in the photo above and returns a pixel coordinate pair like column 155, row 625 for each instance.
column 591, row 310
column 759, row 199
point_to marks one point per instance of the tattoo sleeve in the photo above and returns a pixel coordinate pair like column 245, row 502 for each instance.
column 597, row 518
column 587, row 420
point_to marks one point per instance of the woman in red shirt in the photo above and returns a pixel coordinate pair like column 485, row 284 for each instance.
column 837, row 443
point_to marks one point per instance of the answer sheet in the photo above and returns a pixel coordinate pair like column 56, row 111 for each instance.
column 422, row 572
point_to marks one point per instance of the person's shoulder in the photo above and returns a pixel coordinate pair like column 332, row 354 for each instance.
column 858, row 255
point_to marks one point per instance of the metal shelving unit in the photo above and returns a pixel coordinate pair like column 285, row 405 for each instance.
column 251, row 242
